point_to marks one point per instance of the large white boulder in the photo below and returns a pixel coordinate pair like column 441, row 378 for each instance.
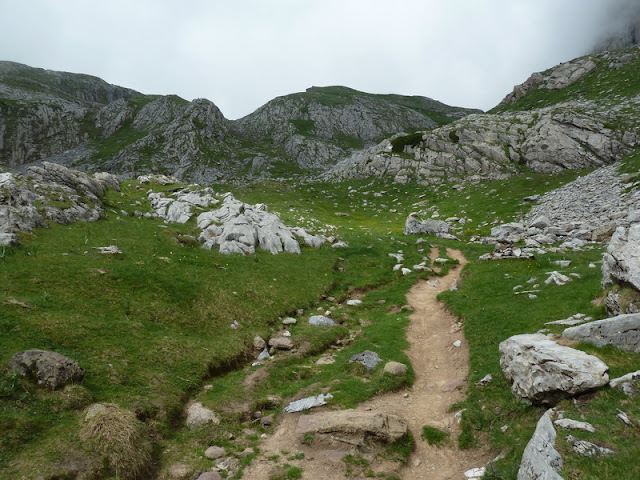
column 542, row 371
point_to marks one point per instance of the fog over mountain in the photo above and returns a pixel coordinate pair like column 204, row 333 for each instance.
column 242, row 54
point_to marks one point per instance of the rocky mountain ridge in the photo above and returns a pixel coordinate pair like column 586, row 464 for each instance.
column 83, row 122
column 597, row 125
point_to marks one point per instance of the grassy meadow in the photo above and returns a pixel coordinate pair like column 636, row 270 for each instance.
column 152, row 326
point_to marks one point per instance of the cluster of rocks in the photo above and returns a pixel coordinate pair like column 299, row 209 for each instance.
column 237, row 227
column 543, row 372
column 49, row 192
column 586, row 210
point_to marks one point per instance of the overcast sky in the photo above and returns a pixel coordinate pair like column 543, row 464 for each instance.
column 242, row 53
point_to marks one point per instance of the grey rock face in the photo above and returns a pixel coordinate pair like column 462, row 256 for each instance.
column 26, row 201
column 621, row 263
column 622, row 331
column 540, row 459
column 51, row 370
column 542, row 371
column 553, row 79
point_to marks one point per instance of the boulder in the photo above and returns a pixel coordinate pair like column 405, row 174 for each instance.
column 237, row 227
column 540, row 459
column 622, row 331
column 414, row 226
column 351, row 423
column 508, row 233
column 51, row 370
column 542, row 371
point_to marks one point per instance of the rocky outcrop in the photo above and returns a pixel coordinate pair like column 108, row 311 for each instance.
column 622, row 331
column 574, row 134
column 42, row 112
column 540, row 459
column 51, row 370
column 542, row 371
column 548, row 140
column 414, row 226
column 237, row 227
column 50, row 192
column 555, row 78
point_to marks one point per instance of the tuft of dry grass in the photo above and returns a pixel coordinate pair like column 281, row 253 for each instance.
column 120, row 437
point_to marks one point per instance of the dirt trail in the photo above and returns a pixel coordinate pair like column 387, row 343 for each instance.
column 441, row 370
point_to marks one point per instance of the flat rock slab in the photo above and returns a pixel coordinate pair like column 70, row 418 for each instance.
column 52, row 370
column 542, row 371
column 622, row 331
column 378, row 426
column 540, row 459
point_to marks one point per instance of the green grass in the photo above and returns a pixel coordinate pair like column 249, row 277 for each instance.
column 151, row 326
column 433, row 435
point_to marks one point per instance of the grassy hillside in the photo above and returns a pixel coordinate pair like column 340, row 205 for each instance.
column 602, row 83
column 151, row 326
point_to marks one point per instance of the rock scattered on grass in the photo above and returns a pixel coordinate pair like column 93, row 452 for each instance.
column 51, row 370
column 367, row 358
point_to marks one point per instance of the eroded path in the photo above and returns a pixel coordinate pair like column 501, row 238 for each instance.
column 441, row 370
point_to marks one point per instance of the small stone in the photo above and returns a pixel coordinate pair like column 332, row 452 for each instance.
column 267, row 421
column 289, row 321
column 588, row 449
column 354, row 302
column 198, row 415
column 246, row 452
column 281, row 343
column 321, row 321
column 569, row 424
column 214, row 452
column 259, row 343
column 395, row 368
column 484, row 380
column 209, row 476
column 457, row 343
